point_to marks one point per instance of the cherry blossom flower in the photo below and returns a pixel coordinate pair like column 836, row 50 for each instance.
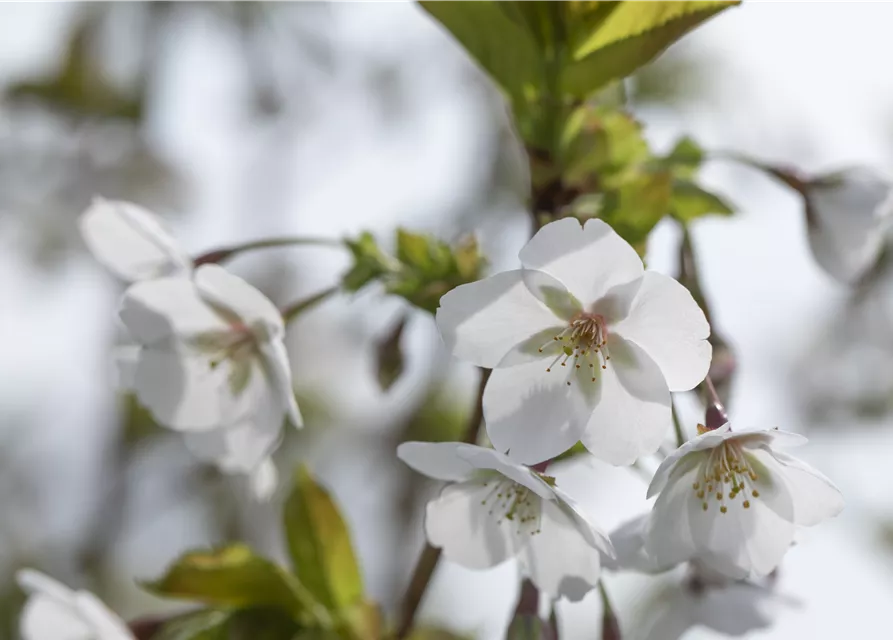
column 55, row 612
column 212, row 364
column 131, row 242
column 731, row 501
column 847, row 217
column 496, row 509
column 584, row 345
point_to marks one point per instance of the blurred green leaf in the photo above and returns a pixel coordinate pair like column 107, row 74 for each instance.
column 208, row 624
column 496, row 38
column 639, row 204
column 233, row 576
column 320, row 546
column 627, row 37
column 689, row 202
column 389, row 355
column 685, row 158
column 370, row 263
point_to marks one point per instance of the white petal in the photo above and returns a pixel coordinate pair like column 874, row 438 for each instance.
column 484, row 458
column 628, row 541
column 459, row 522
column 741, row 540
column 814, row 497
column 125, row 359
column 46, row 619
column 278, row 370
column 159, row 310
column 185, row 392
column 632, row 416
column 588, row 260
column 535, row 415
column 239, row 448
column 37, row 583
column 263, row 480
column 558, row 559
column 131, row 242
column 483, row 321
column 846, row 221
column 438, row 460
column 105, row 624
column 225, row 291
column 668, row 536
column 706, row 440
column 669, row 325
column 593, row 536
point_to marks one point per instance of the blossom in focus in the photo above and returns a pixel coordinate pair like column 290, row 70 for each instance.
column 131, row 242
column 55, row 612
column 732, row 501
column 212, row 364
column 584, row 345
column 847, row 218
column 496, row 509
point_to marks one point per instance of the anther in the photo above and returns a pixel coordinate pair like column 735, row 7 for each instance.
column 747, row 504
column 723, row 509
column 755, row 493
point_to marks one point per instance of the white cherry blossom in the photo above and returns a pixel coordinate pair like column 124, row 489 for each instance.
column 732, row 501
column 847, row 217
column 55, row 612
column 212, row 364
column 131, row 242
column 496, row 509
column 584, row 345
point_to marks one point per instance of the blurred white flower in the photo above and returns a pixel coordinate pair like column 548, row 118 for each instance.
column 131, row 242
column 847, row 217
column 496, row 509
column 212, row 363
column 584, row 345
column 55, row 612
column 731, row 501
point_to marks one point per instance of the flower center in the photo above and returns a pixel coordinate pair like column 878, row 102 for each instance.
column 508, row 500
column 726, row 465
column 583, row 343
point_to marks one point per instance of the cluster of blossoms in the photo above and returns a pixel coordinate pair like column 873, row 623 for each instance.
column 208, row 357
column 584, row 346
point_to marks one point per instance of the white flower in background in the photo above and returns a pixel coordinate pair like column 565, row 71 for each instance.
column 690, row 596
column 584, row 345
column 55, row 612
column 847, row 218
column 131, row 242
column 496, row 509
column 212, row 364
column 731, row 501
column 672, row 607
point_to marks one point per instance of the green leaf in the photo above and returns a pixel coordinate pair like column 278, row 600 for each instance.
column 208, row 624
column 320, row 546
column 689, row 202
column 685, row 159
column 639, row 204
column 370, row 263
column 503, row 46
column 629, row 36
column 233, row 576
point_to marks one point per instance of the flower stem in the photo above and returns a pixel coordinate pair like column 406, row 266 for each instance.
column 716, row 413
column 677, row 426
column 295, row 309
column 219, row 255
column 427, row 562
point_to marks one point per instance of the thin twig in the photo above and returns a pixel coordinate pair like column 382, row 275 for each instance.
column 219, row 255
column 677, row 426
column 295, row 309
column 427, row 562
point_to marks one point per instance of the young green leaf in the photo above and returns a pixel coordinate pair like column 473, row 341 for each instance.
column 690, row 201
column 628, row 37
column 320, row 546
column 639, row 204
column 234, row 577
column 207, row 624
column 504, row 47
